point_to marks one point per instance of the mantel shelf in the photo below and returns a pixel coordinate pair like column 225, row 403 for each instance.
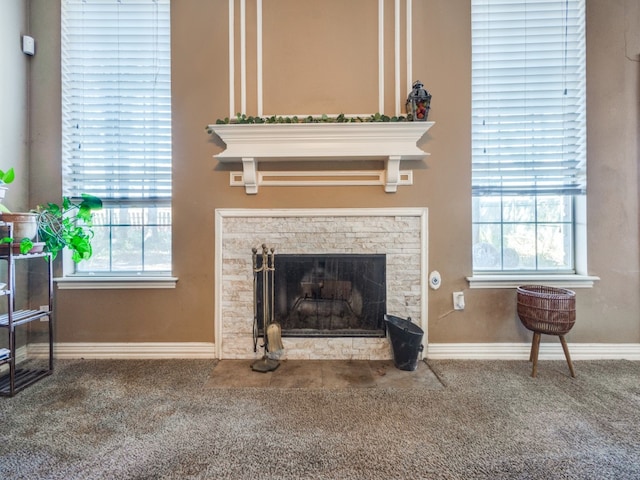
column 253, row 143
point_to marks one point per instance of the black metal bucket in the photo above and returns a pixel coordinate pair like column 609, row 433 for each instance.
column 406, row 341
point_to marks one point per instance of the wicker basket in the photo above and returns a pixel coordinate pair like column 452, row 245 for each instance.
column 547, row 310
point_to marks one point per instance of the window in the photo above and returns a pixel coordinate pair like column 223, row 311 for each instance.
column 528, row 136
column 116, row 128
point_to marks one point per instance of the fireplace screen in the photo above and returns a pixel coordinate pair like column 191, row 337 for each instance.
column 330, row 295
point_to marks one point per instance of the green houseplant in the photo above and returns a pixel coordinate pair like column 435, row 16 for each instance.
column 66, row 225
column 58, row 226
column 6, row 178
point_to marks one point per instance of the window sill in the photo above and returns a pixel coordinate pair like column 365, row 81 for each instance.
column 111, row 283
column 513, row 281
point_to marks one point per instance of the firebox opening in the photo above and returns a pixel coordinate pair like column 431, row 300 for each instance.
column 330, row 295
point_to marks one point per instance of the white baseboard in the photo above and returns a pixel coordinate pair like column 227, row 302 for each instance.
column 520, row 351
column 434, row 351
column 141, row 350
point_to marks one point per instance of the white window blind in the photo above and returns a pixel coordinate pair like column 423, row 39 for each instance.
column 528, row 90
column 116, row 90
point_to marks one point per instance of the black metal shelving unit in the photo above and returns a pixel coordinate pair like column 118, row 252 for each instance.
column 14, row 379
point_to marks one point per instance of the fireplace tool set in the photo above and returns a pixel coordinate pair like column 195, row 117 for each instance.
column 263, row 279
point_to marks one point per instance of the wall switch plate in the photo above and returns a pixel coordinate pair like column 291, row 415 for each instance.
column 458, row 300
column 28, row 45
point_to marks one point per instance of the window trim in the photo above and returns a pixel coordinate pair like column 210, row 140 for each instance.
column 513, row 281
column 91, row 281
column 71, row 278
column 579, row 279
column 112, row 283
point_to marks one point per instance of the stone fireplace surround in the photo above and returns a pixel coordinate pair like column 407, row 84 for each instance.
column 399, row 233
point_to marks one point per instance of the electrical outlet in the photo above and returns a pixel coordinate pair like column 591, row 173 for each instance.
column 458, row 300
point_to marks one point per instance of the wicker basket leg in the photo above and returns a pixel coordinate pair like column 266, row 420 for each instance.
column 535, row 348
column 533, row 344
column 567, row 356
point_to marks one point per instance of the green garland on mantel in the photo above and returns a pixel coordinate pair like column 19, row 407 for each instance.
column 342, row 118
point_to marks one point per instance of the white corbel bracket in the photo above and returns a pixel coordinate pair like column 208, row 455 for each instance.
column 250, row 175
column 388, row 141
column 392, row 177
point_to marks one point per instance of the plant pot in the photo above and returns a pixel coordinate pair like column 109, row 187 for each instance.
column 25, row 225
column 3, row 191
column 38, row 247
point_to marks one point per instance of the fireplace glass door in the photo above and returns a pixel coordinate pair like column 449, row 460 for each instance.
column 330, row 295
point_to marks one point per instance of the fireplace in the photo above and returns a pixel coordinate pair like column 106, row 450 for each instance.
column 329, row 295
column 390, row 242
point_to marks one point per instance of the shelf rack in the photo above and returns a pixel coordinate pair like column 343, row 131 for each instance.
column 12, row 378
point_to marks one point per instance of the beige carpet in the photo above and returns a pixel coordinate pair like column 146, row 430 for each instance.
column 168, row 419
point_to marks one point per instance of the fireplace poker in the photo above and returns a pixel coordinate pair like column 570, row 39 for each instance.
column 254, row 256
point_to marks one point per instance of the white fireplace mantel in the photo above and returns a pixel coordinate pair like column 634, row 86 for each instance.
column 250, row 144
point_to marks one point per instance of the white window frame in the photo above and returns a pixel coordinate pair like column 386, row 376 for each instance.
column 579, row 278
column 114, row 279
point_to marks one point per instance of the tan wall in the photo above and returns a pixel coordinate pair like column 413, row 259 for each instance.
column 339, row 68
column 14, row 85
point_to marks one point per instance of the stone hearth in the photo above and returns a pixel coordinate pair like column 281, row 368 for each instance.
column 398, row 233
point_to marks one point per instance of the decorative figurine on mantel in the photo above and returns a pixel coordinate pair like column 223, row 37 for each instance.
column 418, row 103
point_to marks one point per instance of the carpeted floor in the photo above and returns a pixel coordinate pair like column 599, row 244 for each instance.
column 165, row 420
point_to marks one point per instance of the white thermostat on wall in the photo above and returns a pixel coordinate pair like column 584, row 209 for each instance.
column 28, row 45
column 435, row 280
